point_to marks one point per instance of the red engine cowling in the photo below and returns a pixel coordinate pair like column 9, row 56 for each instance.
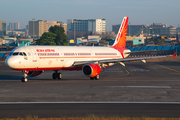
column 34, row 73
column 91, row 70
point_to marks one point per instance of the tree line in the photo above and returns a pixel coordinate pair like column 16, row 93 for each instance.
column 55, row 36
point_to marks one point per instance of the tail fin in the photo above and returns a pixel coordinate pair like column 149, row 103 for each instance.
column 120, row 41
column 174, row 55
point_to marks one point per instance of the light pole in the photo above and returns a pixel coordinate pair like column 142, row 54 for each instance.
column 129, row 28
column 33, row 28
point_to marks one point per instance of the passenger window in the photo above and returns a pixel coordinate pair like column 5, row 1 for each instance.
column 24, row 54
column 15, row 53
column 21, row 54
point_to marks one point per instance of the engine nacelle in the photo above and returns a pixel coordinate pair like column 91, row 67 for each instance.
column 91, row 70
column 34, row 73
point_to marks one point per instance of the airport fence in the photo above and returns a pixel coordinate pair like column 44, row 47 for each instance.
column 2, row 56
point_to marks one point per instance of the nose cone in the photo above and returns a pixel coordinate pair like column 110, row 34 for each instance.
column 10, row 62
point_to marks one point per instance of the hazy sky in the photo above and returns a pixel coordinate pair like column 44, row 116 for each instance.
column 138, row 11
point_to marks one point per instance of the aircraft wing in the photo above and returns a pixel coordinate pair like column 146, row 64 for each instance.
column 80, row 63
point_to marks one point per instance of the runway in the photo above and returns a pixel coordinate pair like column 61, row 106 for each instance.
column 137, row 83
column 58, row 110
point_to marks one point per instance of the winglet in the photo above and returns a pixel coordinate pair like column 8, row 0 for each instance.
column 120, row 41
column 174, row 55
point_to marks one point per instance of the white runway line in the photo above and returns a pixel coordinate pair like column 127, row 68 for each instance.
column 75, row 102
column 139, row 86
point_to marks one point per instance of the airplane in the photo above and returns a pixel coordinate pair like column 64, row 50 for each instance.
column 34, row 60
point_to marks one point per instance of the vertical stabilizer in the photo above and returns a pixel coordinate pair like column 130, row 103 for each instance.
column 120, row 41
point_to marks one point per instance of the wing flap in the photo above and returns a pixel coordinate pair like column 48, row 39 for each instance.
column 81, row 63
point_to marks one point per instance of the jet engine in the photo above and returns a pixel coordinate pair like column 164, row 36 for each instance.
column 91, row 70
column 34, row 73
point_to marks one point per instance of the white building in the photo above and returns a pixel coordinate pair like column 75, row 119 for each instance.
column 90, row 25
column 178, row 29
column 53, row 23
column 93, row 38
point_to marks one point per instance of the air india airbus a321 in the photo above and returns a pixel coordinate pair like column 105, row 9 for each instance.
column 33, row 60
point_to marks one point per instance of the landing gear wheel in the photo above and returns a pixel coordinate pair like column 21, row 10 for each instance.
column 91, row 78
column 24, row 79
column 59, row 76
column 56, row 75
column 97, row 77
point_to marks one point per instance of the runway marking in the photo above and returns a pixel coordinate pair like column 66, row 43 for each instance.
column 139, row 86
column 126, row 72
column 75, row 102
column 118, row 70
column 112, row 71
column 169, row 68
column 139, row 70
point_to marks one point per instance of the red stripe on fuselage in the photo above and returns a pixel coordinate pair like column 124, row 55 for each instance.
column 48, row 68
column 82, row 57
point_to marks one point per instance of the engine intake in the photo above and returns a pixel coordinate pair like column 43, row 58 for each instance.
column 91, row 70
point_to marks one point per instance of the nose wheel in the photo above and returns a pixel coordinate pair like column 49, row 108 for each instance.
column 56, row 75
column 24, row 79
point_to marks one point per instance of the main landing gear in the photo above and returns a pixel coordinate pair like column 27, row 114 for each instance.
column 96, row 77
column 56, row 75
column 24, row 79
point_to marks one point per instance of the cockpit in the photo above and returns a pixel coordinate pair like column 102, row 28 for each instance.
column 17, row 54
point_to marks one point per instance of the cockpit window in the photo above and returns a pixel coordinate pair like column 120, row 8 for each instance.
column 15, row 53
column 21, row 54
column 24, row 54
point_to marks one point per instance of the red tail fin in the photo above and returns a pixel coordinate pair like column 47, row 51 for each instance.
column 174, row 55
column 120, row 41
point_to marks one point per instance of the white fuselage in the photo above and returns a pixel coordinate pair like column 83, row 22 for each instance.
column 57, row 57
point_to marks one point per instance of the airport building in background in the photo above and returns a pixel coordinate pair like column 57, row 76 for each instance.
column 154, row 29
column 13, row 26
column 37, row 28
column 2, row 28
column 132, row 29
column 91, row 25
column 58, row 23
column 82, row 28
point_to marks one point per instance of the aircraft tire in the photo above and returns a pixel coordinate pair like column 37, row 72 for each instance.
column 54, row 76
column 24, row 79
column 59, row 76
column 97, row 77
column 91, row 78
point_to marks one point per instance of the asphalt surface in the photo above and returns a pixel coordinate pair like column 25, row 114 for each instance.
column 58, row 110
column 137, row 90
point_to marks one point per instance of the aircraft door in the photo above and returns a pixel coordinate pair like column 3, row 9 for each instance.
column 34, row 55
column 92, row 55
column 61, row 55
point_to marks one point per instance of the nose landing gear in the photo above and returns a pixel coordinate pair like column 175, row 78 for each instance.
column 24, row 79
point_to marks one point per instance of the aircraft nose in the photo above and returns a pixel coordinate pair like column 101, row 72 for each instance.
column 10, row 62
